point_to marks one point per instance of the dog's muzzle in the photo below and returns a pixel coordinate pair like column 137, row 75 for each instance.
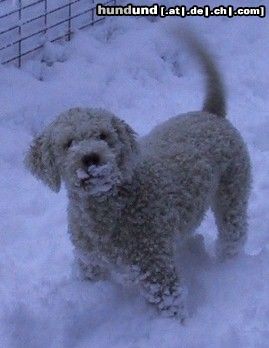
column 97, row 177
column 94, row 168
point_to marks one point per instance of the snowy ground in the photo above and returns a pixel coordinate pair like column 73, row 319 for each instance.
column 135, row 69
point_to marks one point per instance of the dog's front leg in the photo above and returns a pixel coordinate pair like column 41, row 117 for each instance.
column 162, row 287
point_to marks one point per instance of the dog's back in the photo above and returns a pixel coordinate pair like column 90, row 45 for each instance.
column 207, row 158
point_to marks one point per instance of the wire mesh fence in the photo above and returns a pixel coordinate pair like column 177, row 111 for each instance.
column 26, row 25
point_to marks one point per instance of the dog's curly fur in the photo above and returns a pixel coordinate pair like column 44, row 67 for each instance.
column 128, row 199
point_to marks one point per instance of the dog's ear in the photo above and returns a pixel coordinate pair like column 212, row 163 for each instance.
column 129, row 146
column 126, row 134
column 40, row 161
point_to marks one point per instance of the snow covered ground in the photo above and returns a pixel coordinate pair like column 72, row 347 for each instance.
column 135, row 69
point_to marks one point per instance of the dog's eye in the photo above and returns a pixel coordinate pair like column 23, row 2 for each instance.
column 68, row 144
column 103, row 136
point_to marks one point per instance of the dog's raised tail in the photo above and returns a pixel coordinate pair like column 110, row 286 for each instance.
column 215, row 99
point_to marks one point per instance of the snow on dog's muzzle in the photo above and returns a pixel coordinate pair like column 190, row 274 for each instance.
column 98, row 179
column 94, row 169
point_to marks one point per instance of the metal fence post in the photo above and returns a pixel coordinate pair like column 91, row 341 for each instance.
column 19, row 29
column 69, row 20
column 45, row 15
column 92, row 19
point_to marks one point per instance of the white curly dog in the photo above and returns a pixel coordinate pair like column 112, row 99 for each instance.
column 129, row 199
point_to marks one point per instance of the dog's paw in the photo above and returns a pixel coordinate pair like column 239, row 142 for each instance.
column 176, row 311
column 196, row 246
column 174, row 305
column 170, row 303
column 228, row 250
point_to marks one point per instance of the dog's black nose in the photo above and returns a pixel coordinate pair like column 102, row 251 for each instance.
column 92, row 159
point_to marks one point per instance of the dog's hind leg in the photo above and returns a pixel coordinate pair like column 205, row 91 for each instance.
column 230, row 208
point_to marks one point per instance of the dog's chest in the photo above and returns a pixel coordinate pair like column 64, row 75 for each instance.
column 94, row 225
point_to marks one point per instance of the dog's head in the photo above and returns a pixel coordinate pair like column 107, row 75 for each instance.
column 91, row 150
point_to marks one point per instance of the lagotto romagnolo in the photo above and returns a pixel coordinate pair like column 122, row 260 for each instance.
column 129, row 198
